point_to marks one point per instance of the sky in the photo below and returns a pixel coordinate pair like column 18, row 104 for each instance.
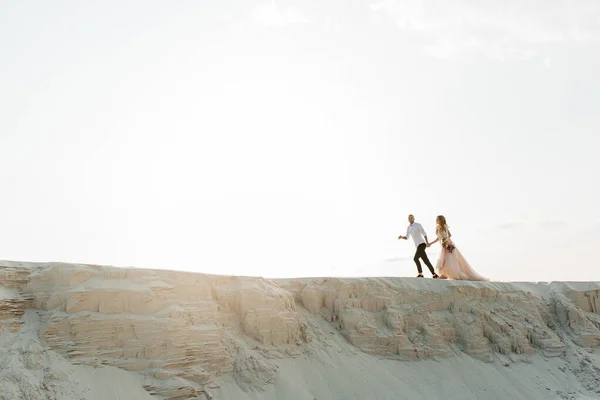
column 292, row 139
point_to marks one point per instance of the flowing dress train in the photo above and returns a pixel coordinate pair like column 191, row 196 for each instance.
column 451, row 264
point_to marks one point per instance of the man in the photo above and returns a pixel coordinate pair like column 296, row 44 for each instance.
column 420, row 238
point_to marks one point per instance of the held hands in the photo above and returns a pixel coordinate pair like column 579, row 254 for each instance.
column 401, row 237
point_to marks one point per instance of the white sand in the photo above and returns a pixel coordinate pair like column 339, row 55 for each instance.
column 90, row 332
column 6, row 293
column 28, row 371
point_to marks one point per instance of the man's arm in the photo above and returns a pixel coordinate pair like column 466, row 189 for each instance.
column 424, row 233
column 404, row 237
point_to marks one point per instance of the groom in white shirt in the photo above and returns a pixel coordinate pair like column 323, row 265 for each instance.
column 416, row 231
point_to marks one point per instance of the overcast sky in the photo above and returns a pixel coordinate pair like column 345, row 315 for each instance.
column 291, row 138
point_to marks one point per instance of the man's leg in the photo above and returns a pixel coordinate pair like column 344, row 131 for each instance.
column 416, row 260
column 422, row 254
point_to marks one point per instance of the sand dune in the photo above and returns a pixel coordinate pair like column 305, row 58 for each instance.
column 95, row 332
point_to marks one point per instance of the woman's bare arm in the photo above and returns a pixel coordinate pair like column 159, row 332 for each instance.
column 430, row 243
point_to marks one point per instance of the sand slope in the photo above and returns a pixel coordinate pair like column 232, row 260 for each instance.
column 95, row 332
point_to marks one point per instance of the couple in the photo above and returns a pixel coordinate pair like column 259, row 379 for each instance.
column 450, row 264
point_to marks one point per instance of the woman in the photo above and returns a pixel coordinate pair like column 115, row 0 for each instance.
column 451, row 264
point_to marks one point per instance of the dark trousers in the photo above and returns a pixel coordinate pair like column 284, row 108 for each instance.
column 422, row 255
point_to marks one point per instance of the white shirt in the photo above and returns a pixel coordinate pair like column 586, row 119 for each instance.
column 417, row 232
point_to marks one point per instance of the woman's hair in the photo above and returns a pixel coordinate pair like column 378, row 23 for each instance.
column 441, row 224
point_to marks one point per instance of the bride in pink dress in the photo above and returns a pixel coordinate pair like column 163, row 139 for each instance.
column 451, row 264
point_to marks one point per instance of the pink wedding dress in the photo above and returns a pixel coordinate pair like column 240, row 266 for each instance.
column 452, row 264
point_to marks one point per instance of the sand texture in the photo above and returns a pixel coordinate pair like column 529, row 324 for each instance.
column 95, row 332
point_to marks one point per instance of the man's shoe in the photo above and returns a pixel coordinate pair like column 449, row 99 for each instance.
column 436, row 276
column 420, row 276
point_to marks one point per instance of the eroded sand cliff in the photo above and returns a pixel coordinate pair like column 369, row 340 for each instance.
column 186, row 335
